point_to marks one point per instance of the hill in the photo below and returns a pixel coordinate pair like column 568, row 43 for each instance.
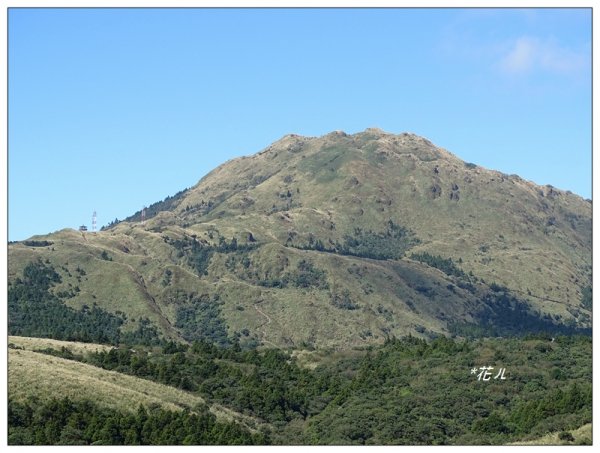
column 325, row 242
column 33, row 372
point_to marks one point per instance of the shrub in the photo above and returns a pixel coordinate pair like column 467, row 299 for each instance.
column 566, row 436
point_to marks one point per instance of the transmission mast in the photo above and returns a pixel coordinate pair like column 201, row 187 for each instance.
column 143, row 214
column 94, row 222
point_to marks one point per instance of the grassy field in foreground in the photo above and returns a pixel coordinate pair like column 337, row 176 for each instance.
column 33, row 373
column 44, row 376
column 31, row 344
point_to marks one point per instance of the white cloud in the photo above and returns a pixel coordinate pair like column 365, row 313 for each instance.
column 521, row 57
column 528, row 54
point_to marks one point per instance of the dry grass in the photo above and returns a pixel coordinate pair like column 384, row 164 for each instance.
column 31, row 344
column 32, row 373
column 581, row 435
column 43, row 376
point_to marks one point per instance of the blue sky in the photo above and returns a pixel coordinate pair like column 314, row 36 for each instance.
column 113, row 109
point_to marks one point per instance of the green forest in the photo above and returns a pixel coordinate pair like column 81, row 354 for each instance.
column 67, row 422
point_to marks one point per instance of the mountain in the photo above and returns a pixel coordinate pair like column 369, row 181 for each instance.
column 322, row 242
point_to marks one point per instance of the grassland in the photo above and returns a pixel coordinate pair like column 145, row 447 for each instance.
column 32, row 344
column 44, row 376
column 581, row 436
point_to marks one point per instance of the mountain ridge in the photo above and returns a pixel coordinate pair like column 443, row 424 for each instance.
column 304, row 230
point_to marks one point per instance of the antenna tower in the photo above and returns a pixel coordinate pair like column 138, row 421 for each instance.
column 143, row 214
column 94, row 222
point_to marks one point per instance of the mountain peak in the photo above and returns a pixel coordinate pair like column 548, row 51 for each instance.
column 372, row 232
column 337, row 133
column 375, row 131
column 369, row 134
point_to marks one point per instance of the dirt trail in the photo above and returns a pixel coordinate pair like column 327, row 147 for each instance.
column 260, row 328
column 154, row 307
column 141, row 284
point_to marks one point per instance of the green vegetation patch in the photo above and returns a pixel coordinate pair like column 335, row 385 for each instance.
column 199, row 318
column 502, row 314
column 199, row 253
column 168, row 204
column 389, row 244
column 325, row 164
column 344, row 301
column 446, row 265
column 586, row 298
column 37, row 243
column 305, row 275
column 410, row 392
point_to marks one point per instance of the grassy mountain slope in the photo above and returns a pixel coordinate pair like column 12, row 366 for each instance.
column 309, row 243
column 42, row 376
column 503, row 228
